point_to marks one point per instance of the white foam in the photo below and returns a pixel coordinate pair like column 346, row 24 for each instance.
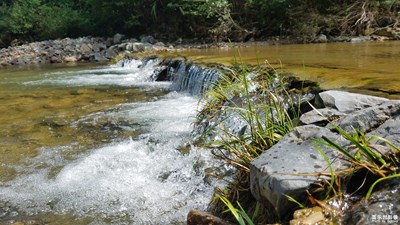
column 134, row 73
column 144, row 181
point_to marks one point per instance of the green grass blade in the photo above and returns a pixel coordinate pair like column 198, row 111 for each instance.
column 295, row 201
column 384, row 140
column 368, row 195
column 332, row 181
column 232, row 209
column 342, row 150
column 244, row 215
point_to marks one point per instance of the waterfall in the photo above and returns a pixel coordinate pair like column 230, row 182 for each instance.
column 186, row 77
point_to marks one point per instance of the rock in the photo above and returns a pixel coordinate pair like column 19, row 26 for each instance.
column 196, row 217
column 360, row 39
column 273, row 174
column 159, row 44
column 321, row 116
column 55, row 59
column 118, row 38
column 148, row 39
column 321, row 39
column 383, row 207
column 97, row 57
column 86, row 48
column 135, row 47
column 347, row 102
column 308, row 216
column 70, row 59
column 282, row 169
column 97, row 47
column 368, row 119
column 389, row 130
column 5, row 63
column 111, row 53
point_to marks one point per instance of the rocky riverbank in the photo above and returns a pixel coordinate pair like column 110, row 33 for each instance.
column 97, row 49
column 84, row 49
column 293, row 165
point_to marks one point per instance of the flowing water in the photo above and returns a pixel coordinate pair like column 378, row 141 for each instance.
column 100, row 145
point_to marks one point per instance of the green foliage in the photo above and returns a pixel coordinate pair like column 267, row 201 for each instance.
column 257, row 96
column 37, row 19
column 264, row 110
column 220, row 20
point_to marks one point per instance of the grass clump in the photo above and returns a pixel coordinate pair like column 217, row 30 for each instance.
column 369, row 160
column 372, row 155
column 248, row 111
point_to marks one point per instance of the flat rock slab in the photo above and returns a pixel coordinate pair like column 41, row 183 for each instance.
column 348, row 102
column 320, row 116
column 291, row 166
column 369, row 119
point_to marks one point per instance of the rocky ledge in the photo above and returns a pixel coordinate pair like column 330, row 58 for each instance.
column 84, row 49
column 291, row 166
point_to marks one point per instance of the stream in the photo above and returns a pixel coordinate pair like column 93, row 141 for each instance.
column 98, row 145
column 107, row 144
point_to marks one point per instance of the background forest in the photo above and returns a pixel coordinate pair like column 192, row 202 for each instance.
column 208, row 20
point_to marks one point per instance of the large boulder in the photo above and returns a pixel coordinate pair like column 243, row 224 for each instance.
column 290, row 167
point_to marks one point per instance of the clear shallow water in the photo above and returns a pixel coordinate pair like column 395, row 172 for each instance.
column 369, row 67
column 98, row 146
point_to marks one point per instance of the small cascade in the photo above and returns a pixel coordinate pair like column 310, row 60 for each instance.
column 185, row 77
column 191, row 78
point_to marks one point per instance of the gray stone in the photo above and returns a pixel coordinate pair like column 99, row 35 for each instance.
column 389, row 130
column 360, row 39
column 291, row 166
column 118, row 38
column 97, row 47
column 385, row 202
column 86, row 48
column 111, row 53
column 135, row 47
column 97, row 57
column 148, row 39
column 55, row 59
column 159, row 44
column 321, row 116
column 321, row 39
column 368, row 119
column 347, row 102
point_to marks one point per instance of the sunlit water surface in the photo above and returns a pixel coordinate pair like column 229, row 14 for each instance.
column 368, row 67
